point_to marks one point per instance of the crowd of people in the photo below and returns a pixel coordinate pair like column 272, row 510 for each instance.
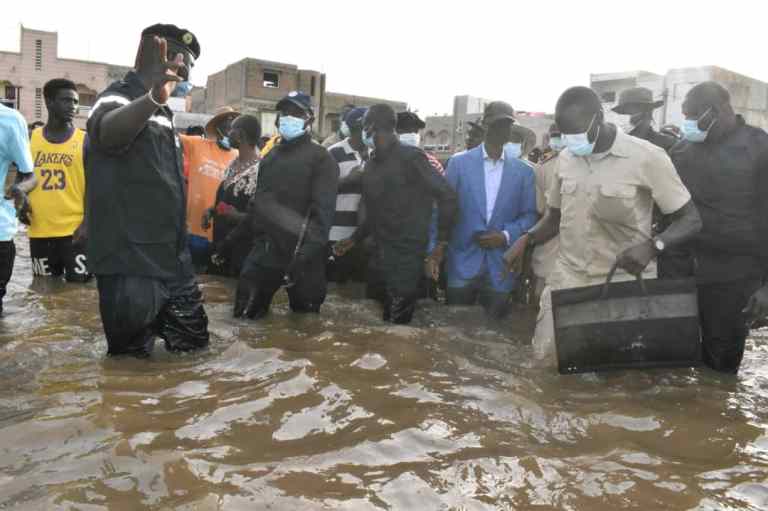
column 143, row 208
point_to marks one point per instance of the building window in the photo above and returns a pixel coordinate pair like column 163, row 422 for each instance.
column 38, row 103
column 312, row 86
column 271, row 79
column 609, row 97
column 38, row 54
column 9, row 95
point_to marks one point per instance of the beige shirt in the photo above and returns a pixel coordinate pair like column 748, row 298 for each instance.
column 606, row 202
column 544, row 256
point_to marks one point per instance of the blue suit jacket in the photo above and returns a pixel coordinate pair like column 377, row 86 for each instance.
column 514, row 212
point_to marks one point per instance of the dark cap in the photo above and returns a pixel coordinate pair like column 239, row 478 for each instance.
column 354, row 117
column 475, row 127
column 299, row 99
column 409, row 122
column 178, row 35
column 636, row 100
column 496, row 111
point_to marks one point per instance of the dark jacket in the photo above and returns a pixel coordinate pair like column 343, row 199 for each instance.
column 728, row 181
column 136, row 194
column 297, row 180
column 400, row 187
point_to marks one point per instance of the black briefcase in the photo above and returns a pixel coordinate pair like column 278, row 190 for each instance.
column 627, row 325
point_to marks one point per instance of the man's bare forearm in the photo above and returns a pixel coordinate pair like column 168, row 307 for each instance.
column 547, row 228
column 685, row 224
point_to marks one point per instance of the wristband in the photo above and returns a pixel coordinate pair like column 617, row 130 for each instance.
column 158, row 105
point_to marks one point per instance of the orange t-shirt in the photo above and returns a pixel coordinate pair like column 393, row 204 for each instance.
column 204, row 166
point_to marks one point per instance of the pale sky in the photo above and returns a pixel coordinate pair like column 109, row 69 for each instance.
column 424, row 52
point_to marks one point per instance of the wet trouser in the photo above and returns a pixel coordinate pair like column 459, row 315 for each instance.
column 258, row 284
column 134, row 310
column 59, row 256
column 398, row 284
column 724, row 328
column 7, row 258
column 478, row 290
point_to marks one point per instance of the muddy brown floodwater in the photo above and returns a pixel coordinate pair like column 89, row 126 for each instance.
column 341, row 411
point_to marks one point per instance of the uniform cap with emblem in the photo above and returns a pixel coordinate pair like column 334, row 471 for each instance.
column 297, row 98
column 180, row 36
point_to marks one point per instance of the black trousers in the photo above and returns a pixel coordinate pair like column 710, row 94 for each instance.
column 396, row 280
column 724, row 329
column 479, row 290
column 135, row 310
column 59, row 256
column 258, row 284
column 7, row 258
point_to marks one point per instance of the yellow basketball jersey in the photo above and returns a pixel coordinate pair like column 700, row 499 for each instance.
column 57, row 200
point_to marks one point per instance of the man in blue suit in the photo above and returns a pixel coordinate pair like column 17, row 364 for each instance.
column 497, row 204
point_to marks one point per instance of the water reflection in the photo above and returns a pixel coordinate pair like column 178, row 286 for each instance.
column 341, row 411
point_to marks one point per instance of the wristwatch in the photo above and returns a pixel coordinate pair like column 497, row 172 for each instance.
column 658, row 244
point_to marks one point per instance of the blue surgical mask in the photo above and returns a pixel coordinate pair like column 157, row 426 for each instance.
column 291, row 127
column 181, row 90
column 344, row 130
column 411, row 139
column 513, row 150
column 692, row 132
column 556, row 144
column 368, row 140
column 224, row 143
column 578, row 143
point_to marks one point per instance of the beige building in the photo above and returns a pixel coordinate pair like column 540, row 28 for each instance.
column 23, row 75
column 255, row 86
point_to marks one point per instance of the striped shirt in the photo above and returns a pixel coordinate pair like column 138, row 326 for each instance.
column 348, row 199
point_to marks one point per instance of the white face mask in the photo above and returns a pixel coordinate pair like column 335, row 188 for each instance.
column 412, row 139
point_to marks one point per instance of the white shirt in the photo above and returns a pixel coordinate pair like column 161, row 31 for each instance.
column 494, row 170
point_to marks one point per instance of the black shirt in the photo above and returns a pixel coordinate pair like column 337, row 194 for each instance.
column 136, row 194
column 728, row 181
column 666, row 142
column 297, row 180
column 400, row 186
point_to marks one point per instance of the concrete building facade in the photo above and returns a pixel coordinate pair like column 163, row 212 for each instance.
column 255, row 86
column 748, row 95
column 23, row 75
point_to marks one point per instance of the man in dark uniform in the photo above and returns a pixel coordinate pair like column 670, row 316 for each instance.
column 290, row 217
column 637, row 103
column 137, row 244
column 724, row 163
column 398, row 183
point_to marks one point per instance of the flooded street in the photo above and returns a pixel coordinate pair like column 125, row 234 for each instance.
column 342, row 411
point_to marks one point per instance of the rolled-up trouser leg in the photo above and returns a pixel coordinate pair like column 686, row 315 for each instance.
column 308, row 293
column 129, row 309
column 724, row 328
column 182, row 322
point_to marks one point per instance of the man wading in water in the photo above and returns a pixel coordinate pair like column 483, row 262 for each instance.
column 137, row 244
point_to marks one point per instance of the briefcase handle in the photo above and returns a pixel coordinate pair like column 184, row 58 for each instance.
column 615, row 266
